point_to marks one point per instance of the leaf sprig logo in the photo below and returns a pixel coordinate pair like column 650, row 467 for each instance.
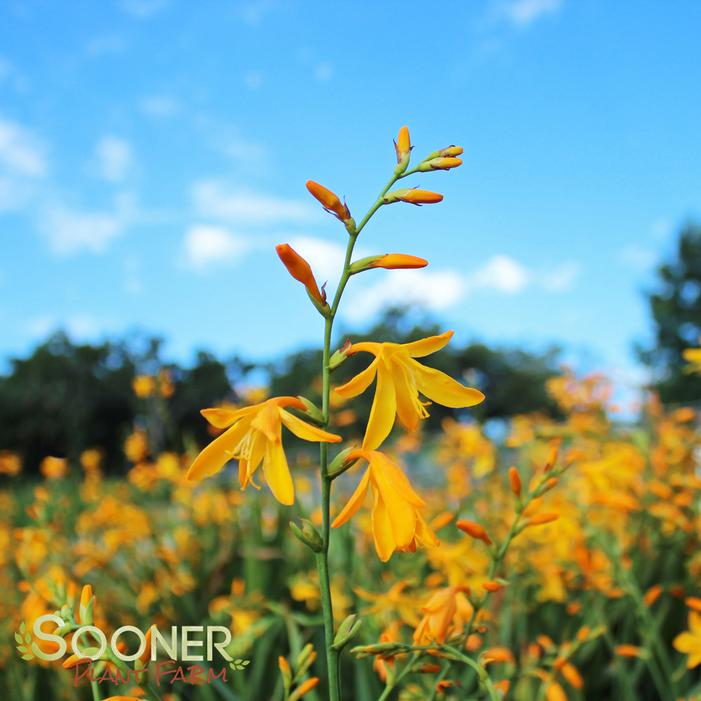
column 24, row 641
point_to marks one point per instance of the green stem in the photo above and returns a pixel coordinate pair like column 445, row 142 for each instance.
column 95, row 691
column 322, row 558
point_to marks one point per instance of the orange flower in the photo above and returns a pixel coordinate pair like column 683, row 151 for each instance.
column 253, row 436
column 448, row 609
column 413, row 196
column 329, row 201
column 396, row 521
column 474, row 530
column 300, row 270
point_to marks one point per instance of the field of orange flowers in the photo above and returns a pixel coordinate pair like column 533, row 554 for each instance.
column 557, row 560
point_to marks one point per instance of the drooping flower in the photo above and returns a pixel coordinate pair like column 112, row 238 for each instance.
column 689, row 642
column 400, row 378
column 446, row 611
column 396, row 521
column 254, row 437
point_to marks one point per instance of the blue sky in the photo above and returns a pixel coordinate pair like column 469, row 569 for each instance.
column 152, row 152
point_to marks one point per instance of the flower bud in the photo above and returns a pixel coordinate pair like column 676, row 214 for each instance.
column 301, row 271
column 448, row 151
column 402, row 147
column 304, row 687
column 388, row 261
column 285, row 672
column 85, row 609
column 440, row 163
column 312, row 411
column 342, row 462
column 346, row 631
column 541, row 519
column 474, row 530
column 308, row 535
column 305, row 659
column 412, row 196
column 329, row 201
column 515, row 481
column 339, row 356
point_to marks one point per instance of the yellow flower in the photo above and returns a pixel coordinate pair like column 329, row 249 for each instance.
column 143, row 386
column 254, row 437
column 689, row 642
column 400, row 378
column 53, row 468
column 396, row 521
column 693, row 357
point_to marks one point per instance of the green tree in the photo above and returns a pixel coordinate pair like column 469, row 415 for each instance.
column 675, row 306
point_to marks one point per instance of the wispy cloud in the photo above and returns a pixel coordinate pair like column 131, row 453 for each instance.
column 143, row 9
column 71, row 230
column 21, row 151
column 523, row 13
column 216, row 199
column 441, row 289
column 205, row 246
column 78, row 326
column 325, row 257
column 114, row 158
column 159, row 106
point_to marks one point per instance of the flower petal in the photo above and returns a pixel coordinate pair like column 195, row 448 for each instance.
column 406, row 397
column 426, row 346
column 221, row 417
column 358, row 384
column 442, row 389
column 382, row 413
column 354, row 503
column 214, row 456
column 306, row 431
column 382, row 530
column 277, row 473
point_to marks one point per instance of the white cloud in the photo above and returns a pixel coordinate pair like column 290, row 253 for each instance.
column 500, row 273
column 522, row 13
column 323, row 72
column 213, row 198
column 70, row 231
column 205, row 246
column 325, row 257
column 143, row 9
column 114, row 158
column 159, row 106
column 105, row 45
column 253, row 79
column 432, row 289
column 21, row 152
column 561, row 277
column 79, row 327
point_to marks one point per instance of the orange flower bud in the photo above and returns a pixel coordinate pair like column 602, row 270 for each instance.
column 430, row 669
column 441, row 163
column 399, row 261
column 306, row 687
column 515, row 481
column 571, row 674
column 541, row 519
column 300, row 270
column 474, row 530
column 329, row 200
column 694, row 603
column 402, row 147
column 492, row 586
column 413, row 196
column 652, row 594
column 497, row 655
column 627, row 651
